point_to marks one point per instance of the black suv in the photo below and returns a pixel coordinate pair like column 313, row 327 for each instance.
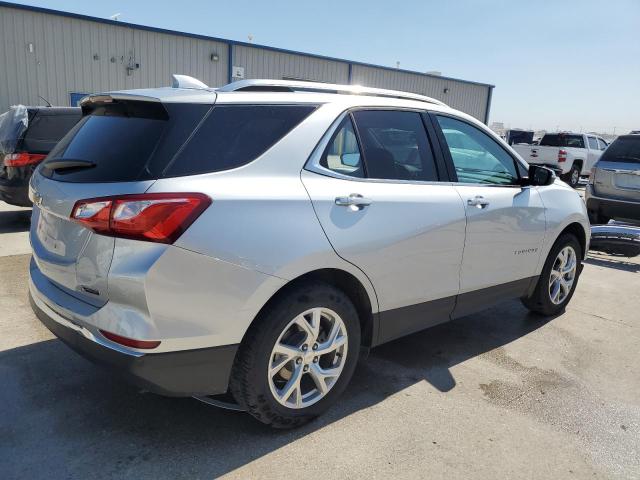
column 27, row 135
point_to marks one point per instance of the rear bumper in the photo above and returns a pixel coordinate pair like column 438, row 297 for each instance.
column 180, row 374
column 15, row 191
column 610, row 207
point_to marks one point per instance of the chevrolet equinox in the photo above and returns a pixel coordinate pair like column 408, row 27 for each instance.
column 255, row 239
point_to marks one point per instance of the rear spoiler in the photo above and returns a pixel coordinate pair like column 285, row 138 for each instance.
column 120, row 104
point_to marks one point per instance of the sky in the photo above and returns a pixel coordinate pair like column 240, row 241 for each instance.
column 567, row 64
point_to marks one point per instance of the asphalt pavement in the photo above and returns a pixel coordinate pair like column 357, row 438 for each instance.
column 501, row 394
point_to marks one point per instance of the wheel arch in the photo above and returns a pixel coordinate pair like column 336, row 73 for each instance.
column 362, row 299
column 579, row 232
column 365, row 305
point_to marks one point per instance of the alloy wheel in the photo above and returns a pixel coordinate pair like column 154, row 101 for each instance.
column 563, row 274
column 575, row 176
column 308, row 358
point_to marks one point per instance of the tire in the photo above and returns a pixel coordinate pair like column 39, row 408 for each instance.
column 540, row 301
column 258, row 390
column 572, row 177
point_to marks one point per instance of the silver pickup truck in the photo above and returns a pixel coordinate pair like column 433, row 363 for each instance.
column 570, row 155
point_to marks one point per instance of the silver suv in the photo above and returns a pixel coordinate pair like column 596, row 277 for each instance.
column 614, row 184
column 256, row 239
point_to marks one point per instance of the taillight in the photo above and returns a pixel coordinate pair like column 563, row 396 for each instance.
column 562, row 156
column 592, row 175
column 93, row 214
column 22, row 159
column 154, row 217
column 130, row 342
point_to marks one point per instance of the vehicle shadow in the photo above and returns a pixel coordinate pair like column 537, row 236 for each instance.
column 15, row 221
column 80, row 421
column 614, row 262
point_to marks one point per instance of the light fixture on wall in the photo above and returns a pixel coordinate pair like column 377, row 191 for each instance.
column 214, row 57
column 96, row 56
column 30, row 47
column 446, row 90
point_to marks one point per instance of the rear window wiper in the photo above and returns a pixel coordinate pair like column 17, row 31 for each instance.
column 66, row 163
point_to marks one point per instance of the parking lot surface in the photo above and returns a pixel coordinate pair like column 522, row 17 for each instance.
column 502, row 394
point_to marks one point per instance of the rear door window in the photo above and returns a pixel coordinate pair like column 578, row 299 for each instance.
column 395, row 145
column 342, row 155
column 234, row 135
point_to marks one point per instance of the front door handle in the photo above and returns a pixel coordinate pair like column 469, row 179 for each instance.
column 355, row 201
column 478, row 201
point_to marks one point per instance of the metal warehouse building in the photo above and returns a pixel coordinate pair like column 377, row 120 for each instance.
column 62, row 56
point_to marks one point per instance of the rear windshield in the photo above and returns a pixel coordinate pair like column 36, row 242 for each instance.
column 46, row 129
column 144, row 144
column 562, row 140
column 624, row 149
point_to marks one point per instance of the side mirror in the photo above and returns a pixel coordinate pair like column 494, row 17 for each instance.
column 350, row 159
column 540, row 175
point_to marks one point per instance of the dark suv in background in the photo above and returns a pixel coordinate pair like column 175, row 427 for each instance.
column 27, row 135
column 614, row 185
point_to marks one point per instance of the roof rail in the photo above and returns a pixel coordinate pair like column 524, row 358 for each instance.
column 303, row 86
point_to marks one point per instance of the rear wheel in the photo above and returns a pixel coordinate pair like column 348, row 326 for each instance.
column 558, row 279
column 299, row 356
column 572, row 177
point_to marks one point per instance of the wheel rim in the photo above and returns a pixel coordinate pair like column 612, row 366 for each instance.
column 308, row 358
column 575, row 176
column 563, row 274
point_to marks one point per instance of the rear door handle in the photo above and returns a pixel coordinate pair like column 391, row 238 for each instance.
column 478, row 201
column 355, row 201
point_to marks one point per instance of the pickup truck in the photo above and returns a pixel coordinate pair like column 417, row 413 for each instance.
column 570, row 155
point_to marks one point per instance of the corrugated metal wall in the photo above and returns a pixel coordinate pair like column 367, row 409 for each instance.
column 261, row 63
column 53, row 54
column 72, row 55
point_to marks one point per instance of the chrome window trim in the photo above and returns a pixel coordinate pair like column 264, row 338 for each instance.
column 493, row 185
column 313, row 162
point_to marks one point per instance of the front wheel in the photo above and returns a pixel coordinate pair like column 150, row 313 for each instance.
column 298, row 357
column 558, row 279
